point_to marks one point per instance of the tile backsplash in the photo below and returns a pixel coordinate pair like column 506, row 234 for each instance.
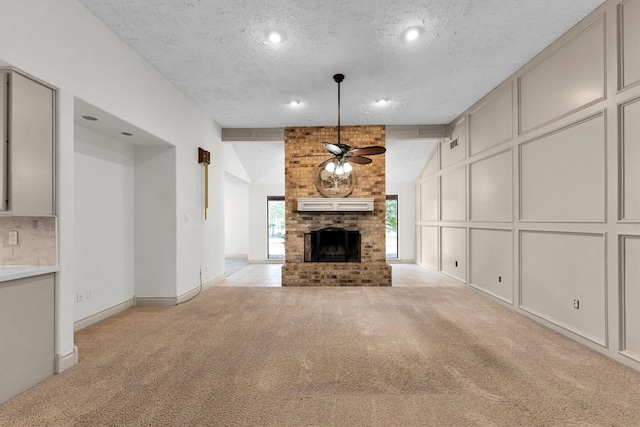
column 36, row 243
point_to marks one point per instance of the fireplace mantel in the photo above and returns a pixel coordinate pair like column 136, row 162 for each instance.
column 348, row 204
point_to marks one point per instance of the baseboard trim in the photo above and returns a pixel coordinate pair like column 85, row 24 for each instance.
column 95, row 318
column 169, row 301
column 193, row 292
column 66, row 361
column 154, row 301
column 400, row 261
column 266, row 261
column 245, row 256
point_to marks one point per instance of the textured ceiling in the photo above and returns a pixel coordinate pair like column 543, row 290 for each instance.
column 216, row 53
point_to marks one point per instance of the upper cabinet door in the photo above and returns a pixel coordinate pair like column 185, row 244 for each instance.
column 31, row 147
column 4, row 137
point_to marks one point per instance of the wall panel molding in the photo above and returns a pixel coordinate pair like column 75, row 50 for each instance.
column 491, row 262
column 628, row 44
column 430, row 247
column 563, row 174
column 429, row 200
column 628, row 161
column 453, row 252
column 555, row 87
column 575, row 176
column 559, row 268
column 453, row 196
column 630, row 295
column 491, row 188
column 490, row 124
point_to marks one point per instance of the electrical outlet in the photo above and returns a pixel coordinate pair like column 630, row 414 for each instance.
column 456, row 263
column 13, row 238
column 88, row 293
column 499, row 279
column 79, row 297
column 576, row 304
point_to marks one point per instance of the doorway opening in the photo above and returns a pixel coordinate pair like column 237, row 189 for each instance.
column 275, row 227
column 391, row 223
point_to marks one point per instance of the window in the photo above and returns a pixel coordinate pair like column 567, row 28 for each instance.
column 392, row 226
column 275, row 227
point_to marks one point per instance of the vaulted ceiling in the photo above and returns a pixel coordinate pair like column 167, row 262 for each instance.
column 219, row 54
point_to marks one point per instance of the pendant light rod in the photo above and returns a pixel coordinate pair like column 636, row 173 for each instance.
column 338, row 79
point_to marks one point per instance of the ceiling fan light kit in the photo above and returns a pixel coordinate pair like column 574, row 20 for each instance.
column 336, row 177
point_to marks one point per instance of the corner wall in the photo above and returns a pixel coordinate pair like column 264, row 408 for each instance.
column 535, row 197
column 103, row 222
column 85, row 60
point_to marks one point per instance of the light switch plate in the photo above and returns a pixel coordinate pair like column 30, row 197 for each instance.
column 13, row 238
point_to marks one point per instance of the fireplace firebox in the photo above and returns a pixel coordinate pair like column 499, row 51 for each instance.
column 332, row 244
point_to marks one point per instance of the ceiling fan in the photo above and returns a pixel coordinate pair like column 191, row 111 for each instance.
column 344, row 154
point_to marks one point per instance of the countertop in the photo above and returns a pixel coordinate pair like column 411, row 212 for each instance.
column 20, row 272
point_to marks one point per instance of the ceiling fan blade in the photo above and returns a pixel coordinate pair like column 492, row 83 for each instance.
column 333, row 148
column 311, row 155
column 368, row 151
column 325, row 163
column 359, row 160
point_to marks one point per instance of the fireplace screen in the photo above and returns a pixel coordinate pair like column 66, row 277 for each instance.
column 332, row 245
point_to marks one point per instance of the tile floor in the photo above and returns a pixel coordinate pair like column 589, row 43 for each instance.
column 270, row 275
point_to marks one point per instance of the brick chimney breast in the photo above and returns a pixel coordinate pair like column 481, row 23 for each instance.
column 300, row 176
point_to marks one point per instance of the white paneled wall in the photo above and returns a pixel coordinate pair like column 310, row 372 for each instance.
column 562, row 279
column 454, row 252
column 491, row 261
column 630, row 165
column 429, row 191
column 536, row 192
column 630, row 46
column 631, row 294
column 566, row 80
column 430, row 253
column 491, row 188
column 492, row 122
column 562, row 175
column 453, row 195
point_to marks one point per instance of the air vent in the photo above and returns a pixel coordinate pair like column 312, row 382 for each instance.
column 453, row 144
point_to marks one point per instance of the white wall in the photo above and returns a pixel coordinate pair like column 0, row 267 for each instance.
column 103, row 222
column 258, row 218
column 541, row 194
column 406, row 220
column 236, row 214
column 85, row 60
column 155, row 222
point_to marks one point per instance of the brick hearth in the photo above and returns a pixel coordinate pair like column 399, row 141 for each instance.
column 300, row 174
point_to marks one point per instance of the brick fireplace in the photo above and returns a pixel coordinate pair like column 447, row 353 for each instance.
column 300, row 174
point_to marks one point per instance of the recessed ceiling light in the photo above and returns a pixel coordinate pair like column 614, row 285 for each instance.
column 411, row 34
column 381, row 102
column 90, row 118
column 294, row 103
column 126, row 133
column 274, row 37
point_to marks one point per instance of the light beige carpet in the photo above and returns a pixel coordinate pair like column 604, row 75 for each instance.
column 437, row 356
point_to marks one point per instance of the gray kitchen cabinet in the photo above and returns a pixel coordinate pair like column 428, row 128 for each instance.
column 27, row 354
column 27, row 159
